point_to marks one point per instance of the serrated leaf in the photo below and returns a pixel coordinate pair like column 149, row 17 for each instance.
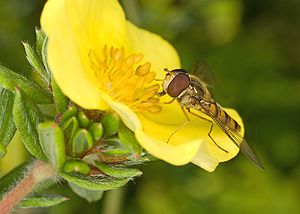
column 7, row 125
column 42, row 201
column 128, row 139
column 44, row 55
column 36, row 62
column 60, row 100
column 10, row 80
column 118, row 172
column 89, row 195
column 26, row 117
column 95, row 182
column 52, row 142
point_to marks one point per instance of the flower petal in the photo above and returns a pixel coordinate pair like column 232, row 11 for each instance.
column 129, row 117
column 211, row 152
column 74, row 28
column 155, row 49
column 97, row 22
column 158, row 127
column 174, row 154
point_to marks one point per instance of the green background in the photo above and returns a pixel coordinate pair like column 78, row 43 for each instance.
column 253, row 49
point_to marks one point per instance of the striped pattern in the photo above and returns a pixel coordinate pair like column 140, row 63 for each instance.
column 217, row 111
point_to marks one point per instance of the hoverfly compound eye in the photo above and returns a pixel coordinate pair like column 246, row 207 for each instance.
column 178, row 84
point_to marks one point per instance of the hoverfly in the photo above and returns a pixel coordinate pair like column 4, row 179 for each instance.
column 192, row 92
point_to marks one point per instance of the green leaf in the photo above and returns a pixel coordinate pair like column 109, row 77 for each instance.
column 60, row 100
column 11, row 80
column 7, row 125
column 42, row 201
column 26, row 117
column 114, row 147
column 40, row 39
column 95, row 182
column 44, row 55
column 77, row 166
column 128, row 139
column 110, row 124
column 89, row 195
column 2, row 150
column 52, row 141
column 36, row 62
column 118, row 172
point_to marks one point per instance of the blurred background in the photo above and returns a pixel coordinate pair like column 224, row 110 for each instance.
column 253, row 49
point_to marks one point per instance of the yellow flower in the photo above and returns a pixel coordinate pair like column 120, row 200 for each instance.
column 102, row 61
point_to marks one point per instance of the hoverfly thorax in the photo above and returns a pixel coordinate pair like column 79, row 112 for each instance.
column 175, row 82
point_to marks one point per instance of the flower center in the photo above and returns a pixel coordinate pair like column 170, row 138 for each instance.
column 125, row 79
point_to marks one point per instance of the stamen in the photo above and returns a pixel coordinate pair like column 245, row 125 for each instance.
column 125, row 80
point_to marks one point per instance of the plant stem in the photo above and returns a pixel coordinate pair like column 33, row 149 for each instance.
column 38, row 172
column 113, row 201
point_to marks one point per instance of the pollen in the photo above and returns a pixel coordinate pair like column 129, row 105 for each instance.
column 126, row 79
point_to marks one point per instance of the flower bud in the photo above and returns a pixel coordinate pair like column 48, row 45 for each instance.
column 96, row 129
column 81, row 142
column 76, row 166
column 83, row 120
column 70, row 112
column 110, row 124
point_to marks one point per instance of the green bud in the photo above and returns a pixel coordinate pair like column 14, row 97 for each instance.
column 2, row 150
column 110, row 124
column 70, row 112
column 96, row 129
column 70, row 128
column 52, row 141
column 76, row 166
column 82, row 142
column 83, row 120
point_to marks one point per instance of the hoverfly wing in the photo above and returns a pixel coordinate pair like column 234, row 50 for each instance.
column 202, row 71
column 238, row 140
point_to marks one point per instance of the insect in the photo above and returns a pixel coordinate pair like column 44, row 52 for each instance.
column 192, row 91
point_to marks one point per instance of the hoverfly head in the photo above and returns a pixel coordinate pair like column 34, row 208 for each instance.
column 175, row 82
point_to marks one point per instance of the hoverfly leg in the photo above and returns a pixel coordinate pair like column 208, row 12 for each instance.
column 182, row 126
column 210, row 130
column 169, row 102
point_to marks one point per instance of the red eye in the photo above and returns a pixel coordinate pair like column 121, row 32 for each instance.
column 178, row 84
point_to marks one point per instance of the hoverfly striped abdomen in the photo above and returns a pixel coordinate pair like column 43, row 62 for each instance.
column 218, row 112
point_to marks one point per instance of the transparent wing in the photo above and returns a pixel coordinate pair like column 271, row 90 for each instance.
column 237, row 139
column 202, row 71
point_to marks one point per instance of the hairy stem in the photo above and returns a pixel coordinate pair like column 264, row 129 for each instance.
column 38, row 172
